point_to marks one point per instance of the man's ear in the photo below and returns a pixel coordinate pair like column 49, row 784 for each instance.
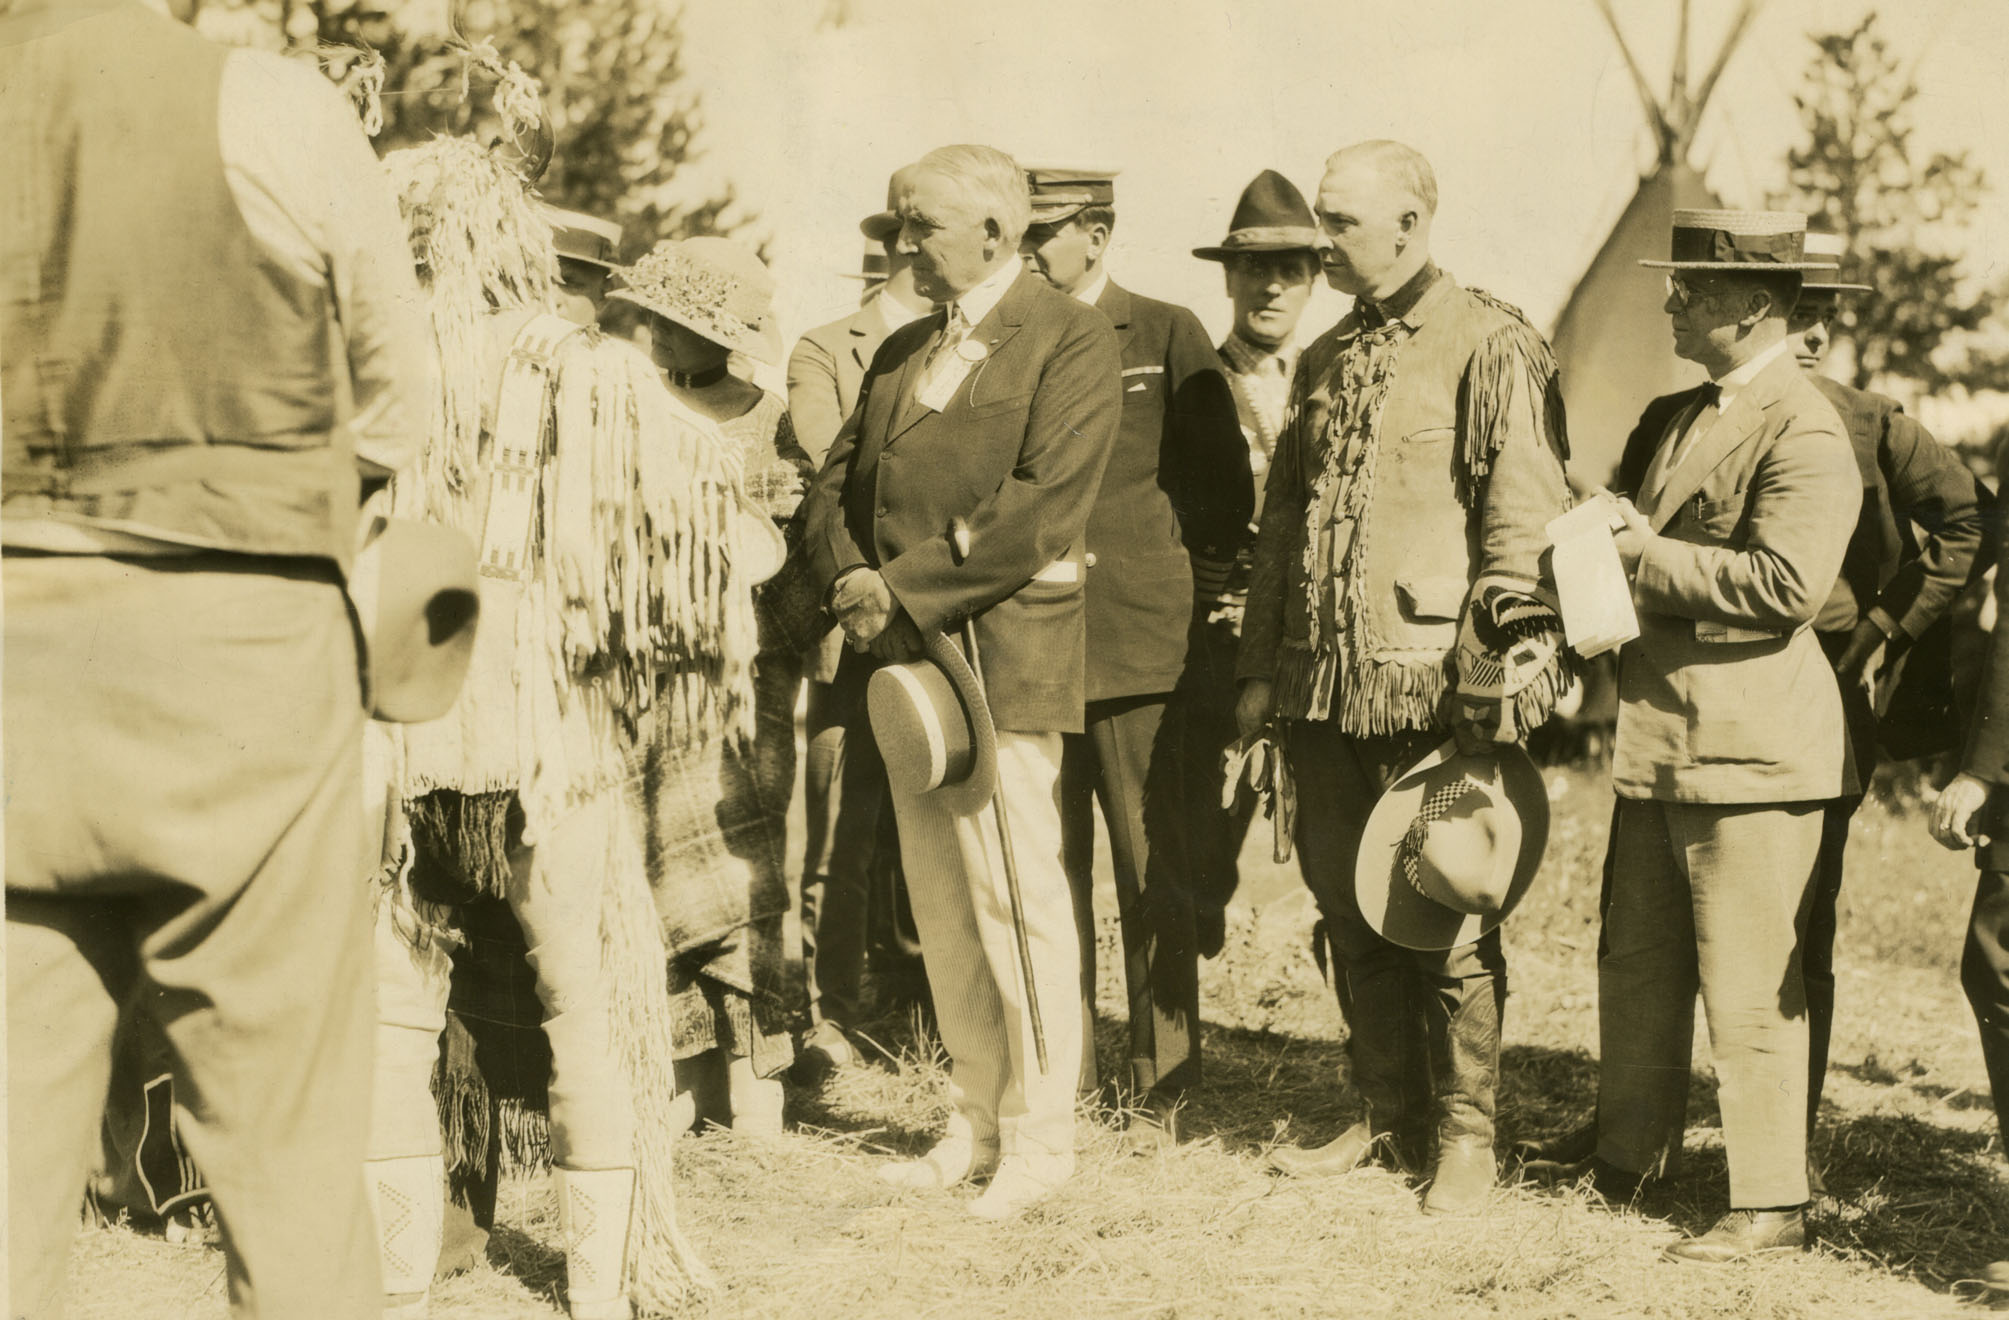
column 993, row 236
column 1098, row 241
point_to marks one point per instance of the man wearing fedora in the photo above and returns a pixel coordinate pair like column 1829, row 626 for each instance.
column 850, row 850
column 1174, row 503
column 1732, row 734
column 588, row 249
column 214, row 349
column 957, row 497
column 1420, row 459
column 1269, row 262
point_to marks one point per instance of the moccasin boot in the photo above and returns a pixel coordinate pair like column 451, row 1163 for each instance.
column 408, row 1195
column 594, row 1210
column 1157, row 1123
column 1561, row 1151
column 756, row 1101
column 1464, row 1036
column 1742, row 1234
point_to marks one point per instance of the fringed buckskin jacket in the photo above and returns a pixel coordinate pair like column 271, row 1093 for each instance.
column 1423, row 447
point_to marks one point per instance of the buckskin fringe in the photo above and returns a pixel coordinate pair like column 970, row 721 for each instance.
column 1380, row 696
column 1511, row 354
column 462, row 838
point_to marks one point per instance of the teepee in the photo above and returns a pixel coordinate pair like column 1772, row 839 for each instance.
column 1612, row 338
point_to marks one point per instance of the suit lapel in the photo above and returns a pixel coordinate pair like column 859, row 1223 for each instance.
column 910, row 410
column 1729, row 433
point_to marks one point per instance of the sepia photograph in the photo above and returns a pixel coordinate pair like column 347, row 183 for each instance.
column 899, row 660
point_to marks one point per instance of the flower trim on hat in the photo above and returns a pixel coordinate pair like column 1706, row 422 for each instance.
column 668, row 280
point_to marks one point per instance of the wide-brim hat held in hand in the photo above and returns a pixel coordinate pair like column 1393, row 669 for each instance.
column 1272, row 216
column 713, row 286
column 415, row 587
column 1452, row 847
column 934, row 727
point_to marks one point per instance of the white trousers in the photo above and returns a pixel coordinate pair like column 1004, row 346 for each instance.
column 962, row 911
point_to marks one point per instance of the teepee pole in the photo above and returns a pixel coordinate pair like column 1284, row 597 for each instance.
column 1745, row 13
column 1656, row 117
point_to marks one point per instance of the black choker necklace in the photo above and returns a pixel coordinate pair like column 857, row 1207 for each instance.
column 698, row 380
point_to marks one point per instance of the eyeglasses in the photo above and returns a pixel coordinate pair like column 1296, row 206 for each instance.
column 1681, row 293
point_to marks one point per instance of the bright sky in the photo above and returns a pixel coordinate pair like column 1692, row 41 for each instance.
column 1523, row 106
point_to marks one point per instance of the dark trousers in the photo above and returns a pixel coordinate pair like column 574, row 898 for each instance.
column 1818, row 952
column 1206, row 713
column 853, row 894
column 1392, row 998
column 1984, row 975
column 1127, row 758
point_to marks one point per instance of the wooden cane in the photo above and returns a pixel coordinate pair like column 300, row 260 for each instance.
column 959, row 541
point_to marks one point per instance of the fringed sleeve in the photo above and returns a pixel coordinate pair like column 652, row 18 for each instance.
column 1514, row 441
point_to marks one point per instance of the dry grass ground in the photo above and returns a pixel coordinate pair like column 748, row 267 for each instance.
column 798, row 1226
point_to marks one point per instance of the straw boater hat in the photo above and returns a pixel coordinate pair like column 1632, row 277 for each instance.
column 713, row 286
column 873, row 267
column 1752, row 241
column 1059, row 191
column 934, row 728
column 1452, row 847
column 578, row 236
column 1829, row 248
column 1271, row 217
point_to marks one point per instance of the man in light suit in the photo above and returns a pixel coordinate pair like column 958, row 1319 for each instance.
column 1731, row 735
column 1177, row 496
column 996, row 414
column 850, row 863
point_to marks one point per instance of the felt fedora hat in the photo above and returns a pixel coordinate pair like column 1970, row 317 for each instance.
column 1828, row 248
column 1752, row 241
column 714, row 286
column 880, row 226
column 416, row 594
column 934, row 727
column 1272, row 216
column 1452, row 847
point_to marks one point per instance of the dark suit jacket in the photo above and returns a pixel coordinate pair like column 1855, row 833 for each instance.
column 1018, row 453
column 1178, row 481
column 1908, row 478
column 1726, row 695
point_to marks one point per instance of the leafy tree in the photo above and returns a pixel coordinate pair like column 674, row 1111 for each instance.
column 610, row 69
column 1902, row 212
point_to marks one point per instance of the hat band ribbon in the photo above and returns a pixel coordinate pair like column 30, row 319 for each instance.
column 1752, row 249
column 931, row 724
column 1293, row 235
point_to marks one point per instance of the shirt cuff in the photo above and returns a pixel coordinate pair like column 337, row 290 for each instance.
column 1892, row 630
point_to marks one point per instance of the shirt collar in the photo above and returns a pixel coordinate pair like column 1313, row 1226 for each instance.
column 1093, row 293
column 978, row 302
column 1397, row 306
column 1249, row 358
column 1735, row 382
column 893, row 313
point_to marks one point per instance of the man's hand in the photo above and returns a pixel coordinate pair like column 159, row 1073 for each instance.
column 1253, row 705
column 1861, row 661
column 899, row 641
column 1953, row 814
column 1631, row 539
column 863, row 605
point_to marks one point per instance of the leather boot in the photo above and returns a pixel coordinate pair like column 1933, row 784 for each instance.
column 594, row 1207
column 1381, row 1047
column 1463, row 1029
column 408, row 1195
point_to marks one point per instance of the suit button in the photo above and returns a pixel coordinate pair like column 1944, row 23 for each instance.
column 1091, row 559
column 883, row 511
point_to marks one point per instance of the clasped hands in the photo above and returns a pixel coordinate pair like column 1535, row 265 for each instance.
column 871, row 619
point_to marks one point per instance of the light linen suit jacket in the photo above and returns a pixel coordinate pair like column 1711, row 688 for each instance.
column 1726, row 695
column 825, row 371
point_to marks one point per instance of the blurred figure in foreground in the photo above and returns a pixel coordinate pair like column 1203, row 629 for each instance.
column 214, row 351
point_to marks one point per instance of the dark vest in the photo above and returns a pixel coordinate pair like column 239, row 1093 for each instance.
column 163, row 375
